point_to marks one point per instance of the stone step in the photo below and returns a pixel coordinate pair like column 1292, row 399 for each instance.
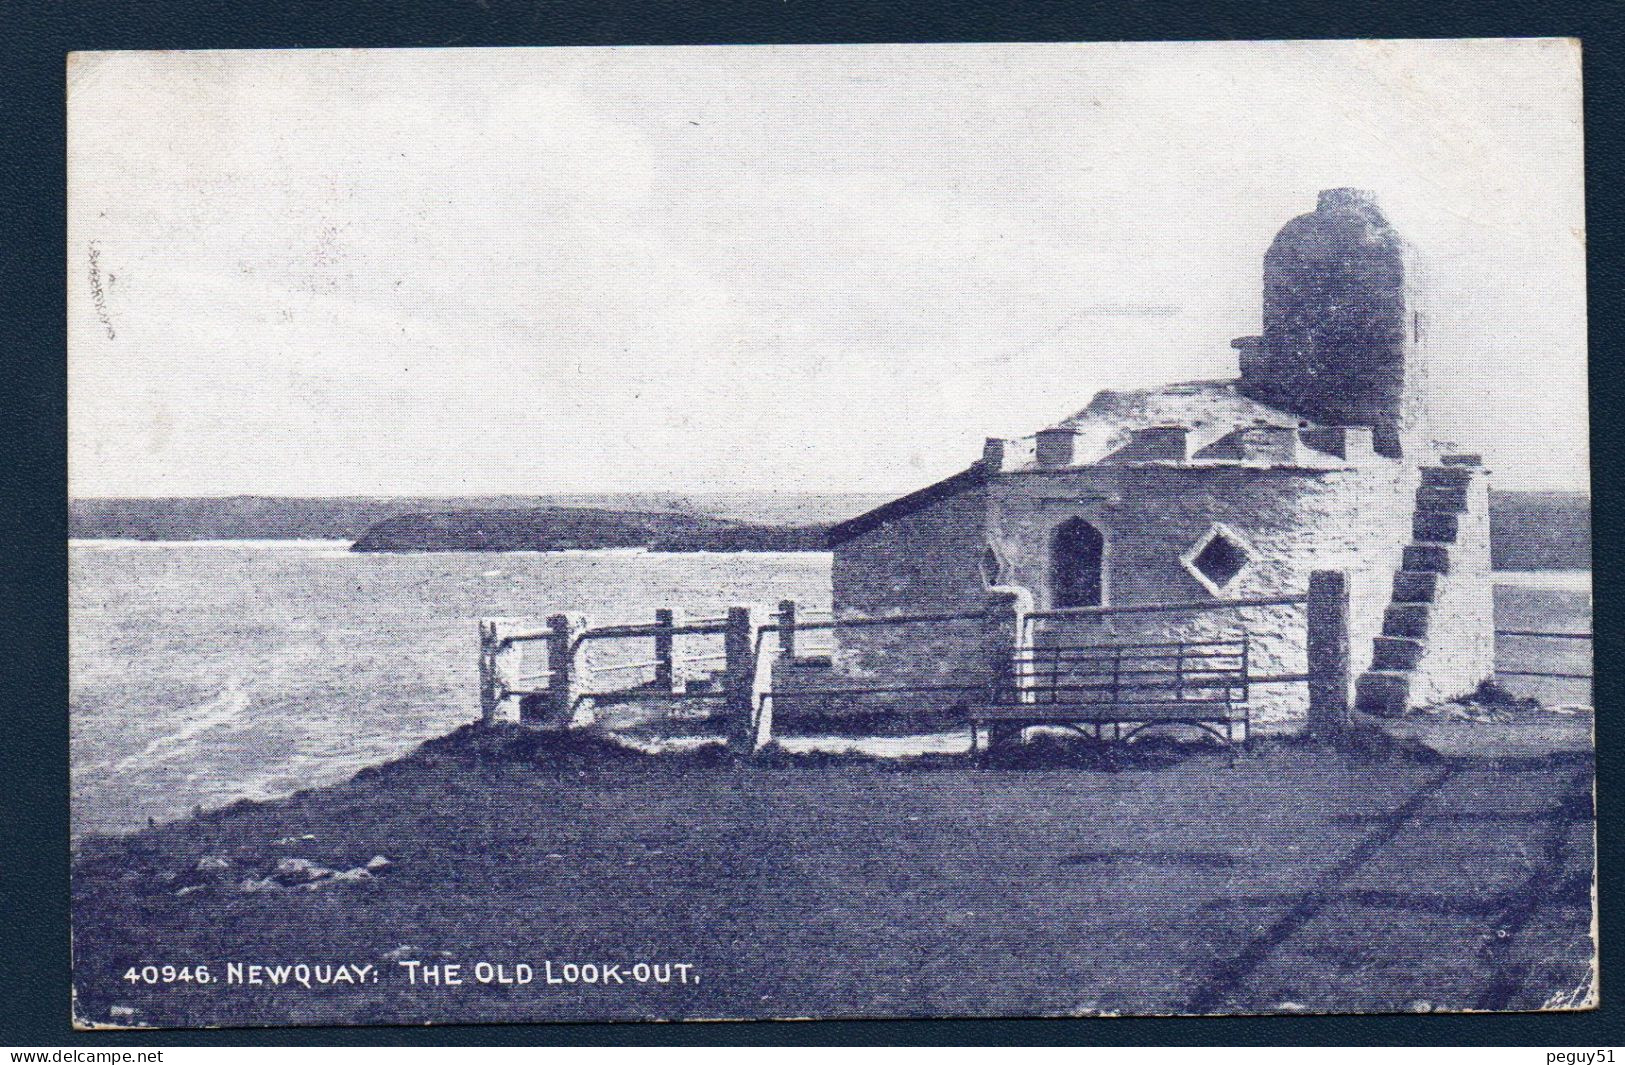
column 1442, row 499
column 1447, row 476
column 1415, row 586
column 1430, row 528
column 1406, row 619
column 1463, row 459
column 1384, row 693
column 1431, row 558
column 1396, row 653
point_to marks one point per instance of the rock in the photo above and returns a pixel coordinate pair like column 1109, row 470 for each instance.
column 378, row 863
column 287, row 841
column 299, row 870
column 402, row 951
column 212, row 863
column 253, row 884
column 188, row 890
column 351, row 875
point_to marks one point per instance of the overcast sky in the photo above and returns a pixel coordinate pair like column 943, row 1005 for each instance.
column 789, row 268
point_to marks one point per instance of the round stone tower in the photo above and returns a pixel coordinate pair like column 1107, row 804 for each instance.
column 1343, row 323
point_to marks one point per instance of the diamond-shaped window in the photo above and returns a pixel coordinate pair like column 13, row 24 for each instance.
column 1217, row 558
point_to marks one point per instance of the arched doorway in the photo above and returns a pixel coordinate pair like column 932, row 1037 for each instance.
column 1076, row 554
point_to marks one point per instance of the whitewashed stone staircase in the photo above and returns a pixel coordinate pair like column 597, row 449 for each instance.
column 1441, row 590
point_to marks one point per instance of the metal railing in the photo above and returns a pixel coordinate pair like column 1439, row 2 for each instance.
column 1542, row 635
column 991, row 689
column 1192, row 607
column 1195, row 671
column 966, row 667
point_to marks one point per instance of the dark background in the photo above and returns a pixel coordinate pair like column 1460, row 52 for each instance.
column 33, row 617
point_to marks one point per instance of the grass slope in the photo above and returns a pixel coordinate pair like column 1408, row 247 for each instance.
column 1299, row 879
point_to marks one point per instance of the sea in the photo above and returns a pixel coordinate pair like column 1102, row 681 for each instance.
column 202, row 672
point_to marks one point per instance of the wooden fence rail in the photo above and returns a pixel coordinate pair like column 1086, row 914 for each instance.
column 746, row 687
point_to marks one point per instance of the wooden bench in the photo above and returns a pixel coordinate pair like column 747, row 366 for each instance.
column 1127, row 687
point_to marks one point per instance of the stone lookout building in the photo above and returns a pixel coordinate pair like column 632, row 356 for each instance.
column 1317, row 456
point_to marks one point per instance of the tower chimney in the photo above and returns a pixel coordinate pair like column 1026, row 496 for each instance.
column 1342, row 322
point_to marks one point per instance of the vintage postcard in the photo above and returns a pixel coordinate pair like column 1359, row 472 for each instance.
column 829, row 531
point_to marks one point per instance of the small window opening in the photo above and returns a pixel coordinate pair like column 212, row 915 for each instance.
column 1220, row 560
column 992, row 569
column 1217, row 559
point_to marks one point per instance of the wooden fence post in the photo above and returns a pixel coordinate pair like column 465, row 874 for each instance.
column 568, row 675
column 668, row 671
column 489, row 695
column 499, row 666
column 747, row 676
column 1328, row 642
column 736, row 672
column 761, row 701
column 787, row 629
column 1006, row 640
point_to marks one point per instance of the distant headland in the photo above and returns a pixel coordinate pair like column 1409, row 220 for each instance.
column 578, row 528
column 1528, row 530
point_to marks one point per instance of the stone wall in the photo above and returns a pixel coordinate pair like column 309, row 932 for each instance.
column 1289, row 521
column 925, row 562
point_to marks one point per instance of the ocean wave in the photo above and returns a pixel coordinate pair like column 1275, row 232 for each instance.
column 331, row 675
column 211, row 713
